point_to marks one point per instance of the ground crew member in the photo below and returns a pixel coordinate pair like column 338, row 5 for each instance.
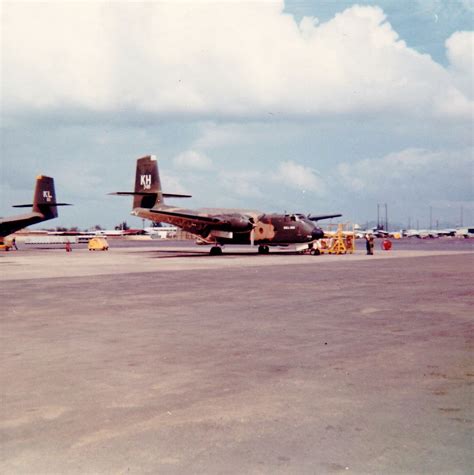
column 369, row 244
column 14, row 244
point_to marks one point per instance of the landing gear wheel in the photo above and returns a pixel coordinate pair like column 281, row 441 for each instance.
column 215, row 251
column 263, row 249
column 315, row 252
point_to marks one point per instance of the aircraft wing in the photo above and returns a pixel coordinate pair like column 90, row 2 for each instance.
column 175, row 195
column 17, row 219
column 191, row 217
column 14, row 223
column 323, row 216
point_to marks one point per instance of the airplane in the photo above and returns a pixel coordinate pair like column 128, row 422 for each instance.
column 467, row 232
column 374, row 231
column 421, row 233
column 43, row 208
column 221, row 226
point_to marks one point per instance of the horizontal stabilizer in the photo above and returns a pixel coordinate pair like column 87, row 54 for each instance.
column 148, row 193
column 42, row 204
column 323, row 216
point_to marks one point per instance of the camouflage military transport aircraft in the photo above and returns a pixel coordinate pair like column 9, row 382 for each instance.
column 43, row 208
column 220, row 226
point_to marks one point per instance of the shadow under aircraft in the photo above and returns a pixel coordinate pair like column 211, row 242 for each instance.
column 221, row 227
column 43, row 208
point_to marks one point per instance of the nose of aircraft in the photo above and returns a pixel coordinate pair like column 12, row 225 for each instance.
column 317, row 233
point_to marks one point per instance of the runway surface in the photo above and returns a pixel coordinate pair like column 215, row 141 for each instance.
column 161, row 359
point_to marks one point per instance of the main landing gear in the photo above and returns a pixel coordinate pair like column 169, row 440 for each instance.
column 263, row 249
column 215, row 251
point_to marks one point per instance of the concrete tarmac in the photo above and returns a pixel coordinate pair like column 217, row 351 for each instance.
column 166, row 360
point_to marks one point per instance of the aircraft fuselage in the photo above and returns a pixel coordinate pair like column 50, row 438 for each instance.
column 238, row 226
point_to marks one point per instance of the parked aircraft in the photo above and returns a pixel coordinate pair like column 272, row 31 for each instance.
column 220, row 226
column 44, row 207
column 451, row 232
column 375, row 231
column 467, row 232
column 428, row 233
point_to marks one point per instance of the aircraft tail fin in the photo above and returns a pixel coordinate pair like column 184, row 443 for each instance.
column 148, row 193
column 44, row 198
column 147, row 183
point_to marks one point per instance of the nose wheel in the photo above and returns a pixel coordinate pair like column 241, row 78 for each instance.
column 263, row 249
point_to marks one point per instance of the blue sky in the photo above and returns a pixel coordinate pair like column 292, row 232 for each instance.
column 322, row 106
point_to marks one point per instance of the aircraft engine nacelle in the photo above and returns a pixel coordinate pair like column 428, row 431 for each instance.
column 236, row 224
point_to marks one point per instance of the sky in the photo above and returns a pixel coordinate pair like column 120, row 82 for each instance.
column 298, row 106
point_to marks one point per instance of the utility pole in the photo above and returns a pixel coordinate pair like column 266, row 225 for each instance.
column 381, row 223
column 431, row 217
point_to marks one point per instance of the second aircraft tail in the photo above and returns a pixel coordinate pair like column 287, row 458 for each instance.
column 147, row 193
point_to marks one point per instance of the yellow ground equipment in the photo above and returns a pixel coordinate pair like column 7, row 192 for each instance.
column 98, row 244
column 341, row 241
column 5, row 244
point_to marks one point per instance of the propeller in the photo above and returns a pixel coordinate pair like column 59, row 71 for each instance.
column 252, row 231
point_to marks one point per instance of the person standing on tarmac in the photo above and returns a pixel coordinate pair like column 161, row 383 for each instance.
column 14, row 244
column 369, row 244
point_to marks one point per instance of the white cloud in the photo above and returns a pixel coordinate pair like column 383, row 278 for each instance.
column 262, row 183
column 412, row 174
column 214, row 135
column 231, row 59
column 194, row 160
column 299, row 177
column 172, row 183
column 460, row 52
column 460, row 46
column 242, row 183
